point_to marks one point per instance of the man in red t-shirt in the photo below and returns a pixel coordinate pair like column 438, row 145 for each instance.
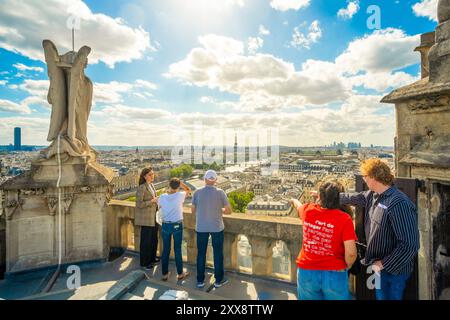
column 328, row 247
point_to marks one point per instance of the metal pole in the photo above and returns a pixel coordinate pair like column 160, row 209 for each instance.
column 73, row 39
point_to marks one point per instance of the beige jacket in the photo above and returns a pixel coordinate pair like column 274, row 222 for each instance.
column 145, row 211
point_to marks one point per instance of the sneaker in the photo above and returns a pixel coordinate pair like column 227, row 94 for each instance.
column 200, row 284
column 148, row 268
column 220, row 283
column 165, row 277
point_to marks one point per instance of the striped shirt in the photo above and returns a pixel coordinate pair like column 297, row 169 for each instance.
column 391, row 228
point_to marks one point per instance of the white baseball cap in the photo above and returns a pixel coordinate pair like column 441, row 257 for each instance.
column 211, row 175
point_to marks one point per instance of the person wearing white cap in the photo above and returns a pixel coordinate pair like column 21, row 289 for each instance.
column 209, row 203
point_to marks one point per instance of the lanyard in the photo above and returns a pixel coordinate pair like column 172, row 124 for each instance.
column 361, row 244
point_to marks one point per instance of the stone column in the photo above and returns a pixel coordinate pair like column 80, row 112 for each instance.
column 230, row 251
column 261, row 255
column 425, row 263
column 294, row 250
column 191, row 241
column 137, row 237
column 2, row 244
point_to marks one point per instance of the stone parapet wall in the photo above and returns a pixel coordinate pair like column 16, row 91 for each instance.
column 262, row 233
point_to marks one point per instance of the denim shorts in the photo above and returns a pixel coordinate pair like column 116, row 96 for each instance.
column 322, row 285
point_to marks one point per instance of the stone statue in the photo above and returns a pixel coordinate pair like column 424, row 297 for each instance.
column 70, row 95
column 443, row 10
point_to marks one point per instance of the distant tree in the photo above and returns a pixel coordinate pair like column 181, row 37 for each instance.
column 318, row 153
column 240, row 200
column 205, row 166
column 339, row 152
column 184, row 171
column 132, row 199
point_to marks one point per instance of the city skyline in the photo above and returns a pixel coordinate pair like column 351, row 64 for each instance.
column 312, row 69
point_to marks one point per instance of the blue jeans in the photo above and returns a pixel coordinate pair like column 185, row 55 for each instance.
column 169, row 230
column 322, row 285
column 392, row 286
column 202, row 246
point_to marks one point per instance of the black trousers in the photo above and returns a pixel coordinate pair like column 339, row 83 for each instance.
column 148, row 245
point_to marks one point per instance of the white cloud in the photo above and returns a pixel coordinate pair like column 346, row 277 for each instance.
column 123, row 125
column 426, row 8
column 381, row 81
column 10, row 106
column 350, row 11
column 3, row 82
column 300, row 39
column 36, row 101
column 284, row 5
column 206, row 99
column 355, row 121
column 265, row 86
column 239, row 3
column 113, row 92
column 221, row 47
column 34, row 130
column 263, row 31
column 362, row 104
column 123, row 111
column 262, row 81
column 143, row 95
column 37, row 88
column 24, row 24
column 254, row 44
column 145, row 84
column 22, row 67
column 382, row 51
column 110, row 92
column 372, row 61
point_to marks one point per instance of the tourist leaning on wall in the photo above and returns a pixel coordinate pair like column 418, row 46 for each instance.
column 171, row 206
column 328, row 247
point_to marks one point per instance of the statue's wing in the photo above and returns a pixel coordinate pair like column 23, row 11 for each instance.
column 57, row 90
column 76, row 89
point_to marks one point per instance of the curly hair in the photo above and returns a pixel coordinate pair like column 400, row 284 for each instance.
column 329, row 195
column 378, row 170
column 340, row 187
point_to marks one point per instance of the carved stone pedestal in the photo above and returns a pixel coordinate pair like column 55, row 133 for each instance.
column 32, row 214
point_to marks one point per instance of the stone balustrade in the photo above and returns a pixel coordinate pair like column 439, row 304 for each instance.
column 262, row 232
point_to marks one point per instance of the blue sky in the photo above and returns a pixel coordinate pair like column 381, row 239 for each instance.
column 310, row 69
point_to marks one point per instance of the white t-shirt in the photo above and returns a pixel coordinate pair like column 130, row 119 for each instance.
column 172, row 206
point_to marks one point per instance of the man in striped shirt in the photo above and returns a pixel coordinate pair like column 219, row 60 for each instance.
column 390, row 226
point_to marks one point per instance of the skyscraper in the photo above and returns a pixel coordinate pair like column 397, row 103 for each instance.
column 17, row 139
column 235, row 148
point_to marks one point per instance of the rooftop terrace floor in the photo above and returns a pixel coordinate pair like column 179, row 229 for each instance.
column 123, row 279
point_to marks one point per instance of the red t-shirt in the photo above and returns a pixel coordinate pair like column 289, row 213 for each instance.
column 324, row 233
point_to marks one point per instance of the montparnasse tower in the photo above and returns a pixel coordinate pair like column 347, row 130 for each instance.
column 235, row 148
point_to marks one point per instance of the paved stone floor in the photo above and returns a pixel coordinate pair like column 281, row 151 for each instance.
column 100, row 280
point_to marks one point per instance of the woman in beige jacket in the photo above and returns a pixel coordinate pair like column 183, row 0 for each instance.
column 145, row 216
